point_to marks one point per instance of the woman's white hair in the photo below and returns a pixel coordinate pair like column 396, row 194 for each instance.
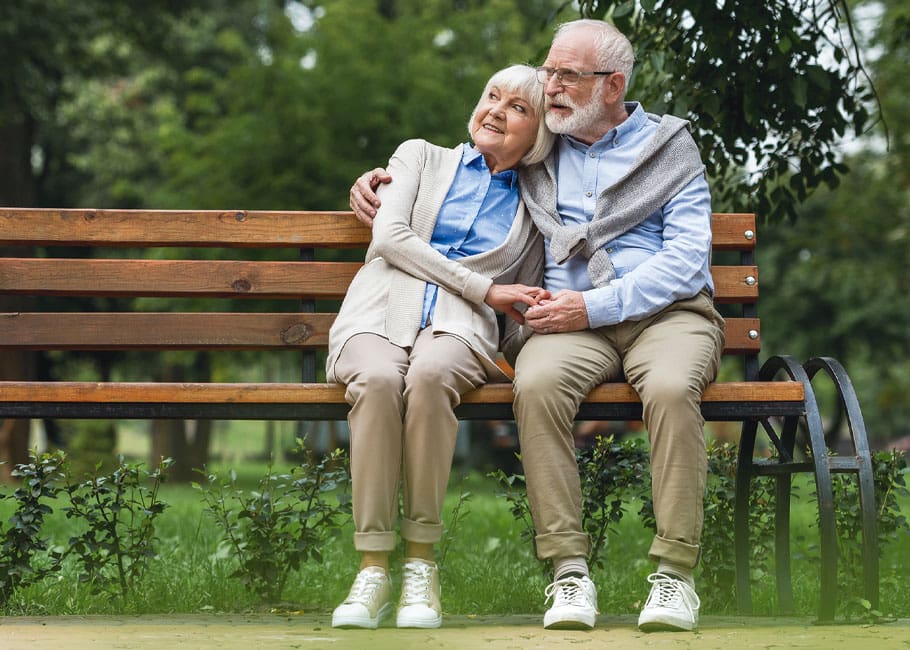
column 522, row 80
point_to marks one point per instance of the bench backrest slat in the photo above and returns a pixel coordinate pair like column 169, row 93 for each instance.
column 164, row 331
column 237, row 228
column 237, row 279
column 203, row 228
column 176, row 278
column 63, row 284
column 212, row 331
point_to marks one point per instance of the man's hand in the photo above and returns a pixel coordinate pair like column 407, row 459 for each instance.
column 502, row 297
column 364, row 201
column 566, row 312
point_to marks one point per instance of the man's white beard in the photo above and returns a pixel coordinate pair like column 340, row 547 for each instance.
column 581, row 119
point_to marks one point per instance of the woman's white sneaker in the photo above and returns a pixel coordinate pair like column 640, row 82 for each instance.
column 368, row 602
column 574, row 604
column 672, row 605
column 419, row 605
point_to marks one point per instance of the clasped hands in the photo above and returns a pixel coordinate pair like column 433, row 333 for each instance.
column 547, row 313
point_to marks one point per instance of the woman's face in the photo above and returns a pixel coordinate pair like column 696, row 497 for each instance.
column 504, row 128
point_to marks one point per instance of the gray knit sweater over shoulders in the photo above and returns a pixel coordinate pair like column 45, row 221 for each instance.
column 668, row 163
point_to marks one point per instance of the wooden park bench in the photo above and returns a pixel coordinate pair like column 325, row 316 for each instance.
column 76, row 272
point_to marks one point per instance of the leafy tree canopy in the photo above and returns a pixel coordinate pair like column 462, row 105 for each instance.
column 770, row 87
column 246, row 106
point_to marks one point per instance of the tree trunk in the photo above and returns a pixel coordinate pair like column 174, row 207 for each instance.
column 17, row 188
column 187, row 445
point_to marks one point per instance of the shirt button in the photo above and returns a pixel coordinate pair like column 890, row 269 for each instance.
column 609, row 250
column 616, row 141
column 588, row 193
column 591, row 154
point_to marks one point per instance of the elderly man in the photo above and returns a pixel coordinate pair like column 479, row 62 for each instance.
column 625, row 209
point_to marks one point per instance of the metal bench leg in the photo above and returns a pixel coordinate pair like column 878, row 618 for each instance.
column 826, row 524
column 784, row 484
column 862, row 467
column 741, row 516
column 788, row 465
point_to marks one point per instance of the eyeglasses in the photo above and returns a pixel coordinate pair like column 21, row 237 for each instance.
column 565, row 76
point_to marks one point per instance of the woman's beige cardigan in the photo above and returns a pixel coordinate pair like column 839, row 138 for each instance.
column 386, row 296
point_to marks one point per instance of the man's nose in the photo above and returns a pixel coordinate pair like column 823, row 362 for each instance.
column 553, row 85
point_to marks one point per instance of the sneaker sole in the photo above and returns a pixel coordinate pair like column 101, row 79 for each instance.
column 362, row 622
column 419, row 624
column 667, row 625
column 580, row 623
column 569, row 625
column 664, row 627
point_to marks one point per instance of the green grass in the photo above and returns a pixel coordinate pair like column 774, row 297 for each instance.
column 489, row 568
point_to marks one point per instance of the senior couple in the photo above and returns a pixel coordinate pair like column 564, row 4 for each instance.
column 595, row 244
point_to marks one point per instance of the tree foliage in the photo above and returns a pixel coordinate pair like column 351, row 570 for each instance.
column 770, row 87
column 835, row 282
column 278, row 104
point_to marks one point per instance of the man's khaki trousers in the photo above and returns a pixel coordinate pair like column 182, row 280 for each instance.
column 669, row 358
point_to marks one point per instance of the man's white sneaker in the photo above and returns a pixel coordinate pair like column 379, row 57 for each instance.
column 574, row 604
column 368, row 602
column 672, row 605
column 419, row 605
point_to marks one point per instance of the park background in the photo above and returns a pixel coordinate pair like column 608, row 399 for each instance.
column 799, row 108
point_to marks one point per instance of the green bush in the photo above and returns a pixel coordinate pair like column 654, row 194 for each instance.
column 615, row 475
column 270, row 531
column 23, row 547
column 118, row 511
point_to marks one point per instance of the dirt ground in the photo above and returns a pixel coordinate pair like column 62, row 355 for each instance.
column 313, row 631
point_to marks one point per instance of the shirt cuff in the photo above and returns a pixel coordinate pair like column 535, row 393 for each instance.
column 602, row 305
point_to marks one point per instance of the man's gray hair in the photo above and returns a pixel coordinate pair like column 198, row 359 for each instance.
column 613, row 50
column 522, row 80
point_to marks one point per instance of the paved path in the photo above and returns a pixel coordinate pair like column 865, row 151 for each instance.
column 309, row 631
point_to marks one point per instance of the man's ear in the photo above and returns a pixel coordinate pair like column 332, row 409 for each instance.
column 615, row 87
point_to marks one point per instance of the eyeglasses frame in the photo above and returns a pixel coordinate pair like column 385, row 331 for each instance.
column 561, row 72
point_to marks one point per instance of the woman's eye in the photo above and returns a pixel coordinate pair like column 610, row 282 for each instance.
column 519, row 108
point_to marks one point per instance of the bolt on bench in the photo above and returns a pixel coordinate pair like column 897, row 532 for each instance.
column 78, row 271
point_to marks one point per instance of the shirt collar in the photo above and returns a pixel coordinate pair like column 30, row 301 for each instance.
column 636, row 120
column 470, row 157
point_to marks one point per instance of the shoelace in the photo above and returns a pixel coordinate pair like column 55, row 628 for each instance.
column 670, row 592
column 366, row 586
column 416, row 584
column 567, row 591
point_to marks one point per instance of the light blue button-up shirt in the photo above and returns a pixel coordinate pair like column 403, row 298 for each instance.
column 475, row 217
column 663, row 259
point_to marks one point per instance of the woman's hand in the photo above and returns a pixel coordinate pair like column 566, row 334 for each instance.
column 503, row 297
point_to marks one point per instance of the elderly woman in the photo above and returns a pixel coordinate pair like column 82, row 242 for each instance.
column 452, row 244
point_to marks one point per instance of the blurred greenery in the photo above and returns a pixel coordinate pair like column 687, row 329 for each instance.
column 192, row 572
column 279, row 104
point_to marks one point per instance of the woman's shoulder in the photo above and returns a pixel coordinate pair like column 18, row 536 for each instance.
column 424, row 148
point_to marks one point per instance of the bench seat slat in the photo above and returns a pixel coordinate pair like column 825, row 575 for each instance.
column 292, row 393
